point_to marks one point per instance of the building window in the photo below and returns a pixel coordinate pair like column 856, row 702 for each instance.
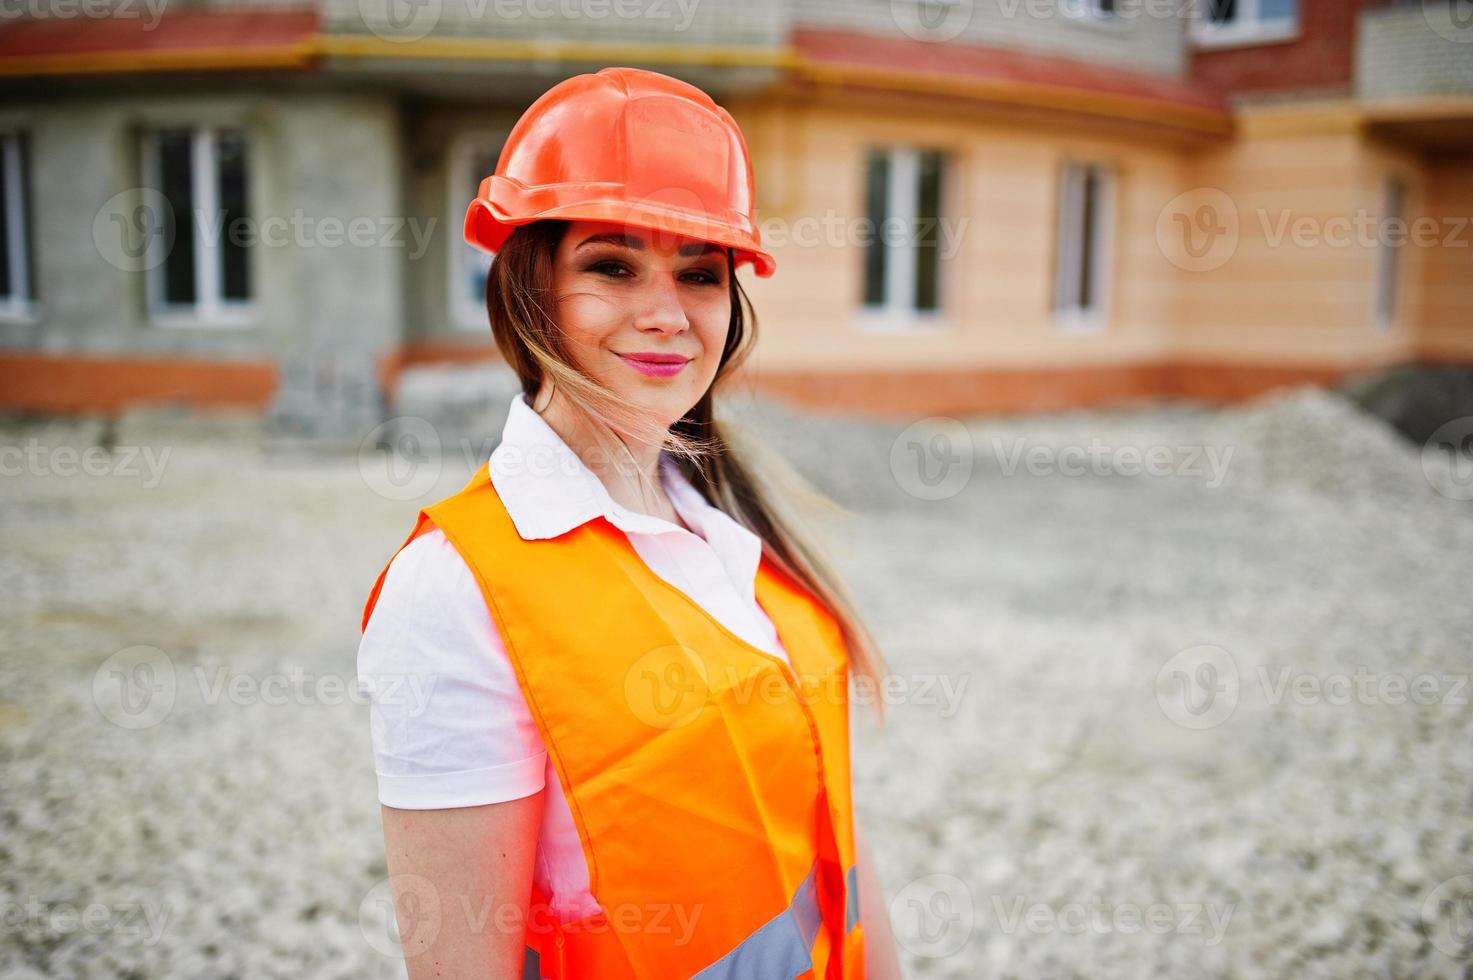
column 205, row 277
column 472, row 159
column 17, row 286
column 1233, row 22
column 904, row 189
column 1082, row 245
column 1388, row 256
column 1090, row 9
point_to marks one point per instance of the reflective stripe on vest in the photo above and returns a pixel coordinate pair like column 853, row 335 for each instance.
column 779, row 950
column 730, row 816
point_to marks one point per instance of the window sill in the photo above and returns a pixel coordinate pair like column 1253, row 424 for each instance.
column 1216, row 38
column 907, row 322
column 21, row 314
column 1097, row 21
column 1080, row 321
column 247, row 319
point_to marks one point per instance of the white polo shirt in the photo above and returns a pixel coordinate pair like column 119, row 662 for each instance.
column 471, row 740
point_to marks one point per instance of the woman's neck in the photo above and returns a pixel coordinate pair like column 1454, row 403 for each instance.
column 629, row 471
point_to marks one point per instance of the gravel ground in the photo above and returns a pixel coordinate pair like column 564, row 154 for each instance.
column 1209, row 720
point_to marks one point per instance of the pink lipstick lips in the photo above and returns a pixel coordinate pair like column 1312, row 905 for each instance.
column 655, row 365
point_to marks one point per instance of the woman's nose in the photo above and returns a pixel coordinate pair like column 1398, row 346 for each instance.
column 661, row 306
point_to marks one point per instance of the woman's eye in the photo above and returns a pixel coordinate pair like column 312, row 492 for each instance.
column 617, row 270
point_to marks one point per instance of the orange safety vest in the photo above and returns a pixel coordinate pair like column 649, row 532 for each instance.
column 708, row 780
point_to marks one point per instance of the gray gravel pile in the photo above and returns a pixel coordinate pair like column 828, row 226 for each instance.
column 1318, row 440
column 1117, row 742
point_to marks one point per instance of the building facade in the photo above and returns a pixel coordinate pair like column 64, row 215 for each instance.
column 976, row 205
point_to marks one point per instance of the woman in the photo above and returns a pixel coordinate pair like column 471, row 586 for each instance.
column 633, row 756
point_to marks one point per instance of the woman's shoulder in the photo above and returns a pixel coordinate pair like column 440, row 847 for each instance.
column 428, row 582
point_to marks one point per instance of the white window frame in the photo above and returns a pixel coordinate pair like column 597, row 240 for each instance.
column 20, row 304
column 1090, row 10
column 902, row 197
column 466, row 315
column 1069, row 247
column 209, row 309
column 1249, row 28
column 1389, row 281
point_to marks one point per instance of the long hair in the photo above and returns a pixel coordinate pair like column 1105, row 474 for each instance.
column 724, row 461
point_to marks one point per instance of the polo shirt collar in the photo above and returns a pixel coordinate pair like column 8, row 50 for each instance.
column 548, row 491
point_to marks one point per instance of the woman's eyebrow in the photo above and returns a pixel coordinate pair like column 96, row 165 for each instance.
column 637, row 244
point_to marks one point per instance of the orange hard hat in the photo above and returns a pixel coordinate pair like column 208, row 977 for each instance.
column 630, row 146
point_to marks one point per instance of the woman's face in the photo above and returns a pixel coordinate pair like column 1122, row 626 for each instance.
column 624, row 293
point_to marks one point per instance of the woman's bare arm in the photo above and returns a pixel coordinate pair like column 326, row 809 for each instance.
column 462, row 878
column 881, row 962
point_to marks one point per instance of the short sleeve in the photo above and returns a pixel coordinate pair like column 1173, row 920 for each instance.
column 449, row 724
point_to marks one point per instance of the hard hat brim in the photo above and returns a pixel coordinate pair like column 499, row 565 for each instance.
column 487, row 228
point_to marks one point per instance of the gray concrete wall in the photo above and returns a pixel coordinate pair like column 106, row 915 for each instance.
column 691, row 22
column 434, row 137
column 311, row 156
column 1409, row 51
